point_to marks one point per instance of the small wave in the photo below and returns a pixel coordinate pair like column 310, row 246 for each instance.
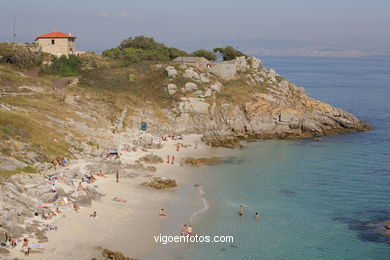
column 205, row 205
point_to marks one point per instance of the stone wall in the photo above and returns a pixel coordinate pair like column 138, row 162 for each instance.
column 61, row 46
column 225, row 69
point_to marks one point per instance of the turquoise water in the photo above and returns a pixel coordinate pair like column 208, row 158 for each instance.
column 313, row 196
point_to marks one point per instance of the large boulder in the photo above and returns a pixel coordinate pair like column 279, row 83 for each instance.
column 9, row 164
column 204, row 79
column 190, row 86
column 172, row 88
column 216, row 87
column 15, row 230
column 171, row 72
column 194, row 105
column 191, row 74
column 49, row 197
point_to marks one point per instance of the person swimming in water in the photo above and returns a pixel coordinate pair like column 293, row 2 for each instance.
column 162, row 213
column 257, row 216
column 241, row 210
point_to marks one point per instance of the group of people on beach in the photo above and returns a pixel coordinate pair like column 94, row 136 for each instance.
column 61, row 161
column 11, row 243
column 172, row 161
column 241, row 213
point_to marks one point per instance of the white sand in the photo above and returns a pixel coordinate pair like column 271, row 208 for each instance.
column 125, row 227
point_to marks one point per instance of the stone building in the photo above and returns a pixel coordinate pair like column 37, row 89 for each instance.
column 57, row 43
column 200, row 63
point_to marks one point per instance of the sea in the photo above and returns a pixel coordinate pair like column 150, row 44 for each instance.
column 316, row 199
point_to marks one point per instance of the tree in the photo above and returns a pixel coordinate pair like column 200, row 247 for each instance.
column 205, row 53
column 140, row 42
column 229, row 53
column 141, row 48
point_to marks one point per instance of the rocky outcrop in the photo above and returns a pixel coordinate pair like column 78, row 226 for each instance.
column 160, row 184
column 272, row 107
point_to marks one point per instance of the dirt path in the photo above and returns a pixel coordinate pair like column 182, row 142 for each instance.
column 58, row 84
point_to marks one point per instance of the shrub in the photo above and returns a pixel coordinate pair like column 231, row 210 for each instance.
column 205, row 53
column 64, row 66
column 229, row 53
column 20, row 55
column 141, row 48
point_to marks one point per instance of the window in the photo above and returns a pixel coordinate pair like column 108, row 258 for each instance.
column 52, row 41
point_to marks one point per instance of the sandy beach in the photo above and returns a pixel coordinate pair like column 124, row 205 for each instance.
column 128, row 226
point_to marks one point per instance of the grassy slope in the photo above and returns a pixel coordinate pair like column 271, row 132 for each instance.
column 105, row 89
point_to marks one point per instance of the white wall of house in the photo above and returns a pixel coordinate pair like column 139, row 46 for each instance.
column 57, row 46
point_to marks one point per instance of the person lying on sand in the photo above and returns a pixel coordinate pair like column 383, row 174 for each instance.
column 162, row 213
column 43, row 215
column 75, row 207
column 93, row 215
column 80, row 187
column 58, row 211
column 119, row 200
column 101, row 174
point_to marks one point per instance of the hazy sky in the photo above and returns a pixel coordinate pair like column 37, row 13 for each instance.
column 100, row 24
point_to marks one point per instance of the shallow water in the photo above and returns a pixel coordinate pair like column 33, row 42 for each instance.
column 313, row 196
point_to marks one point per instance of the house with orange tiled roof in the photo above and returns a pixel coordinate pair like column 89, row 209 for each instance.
column 57, row 43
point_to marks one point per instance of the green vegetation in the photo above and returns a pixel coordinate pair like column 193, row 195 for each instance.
column 132, row 85
column 141, row 48
column 23, row 56
column 205, row 53
column 10, row 79
column 27, row 169
column 238, row 91
column 63, row 66
column 229, row 53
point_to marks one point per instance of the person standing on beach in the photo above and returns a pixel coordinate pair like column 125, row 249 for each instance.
column 257, row 216
column 168, row 159
column 178, row 147
column 173, row 159
column 182, row 162
column 241, row 210
column 26, row 249
column 117, row 176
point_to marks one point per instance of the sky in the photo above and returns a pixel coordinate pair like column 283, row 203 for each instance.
column 257, row 25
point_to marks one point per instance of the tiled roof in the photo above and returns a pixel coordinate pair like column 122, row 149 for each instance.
column 56, row 35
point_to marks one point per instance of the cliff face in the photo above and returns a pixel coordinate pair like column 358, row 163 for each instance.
column 255, row 103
